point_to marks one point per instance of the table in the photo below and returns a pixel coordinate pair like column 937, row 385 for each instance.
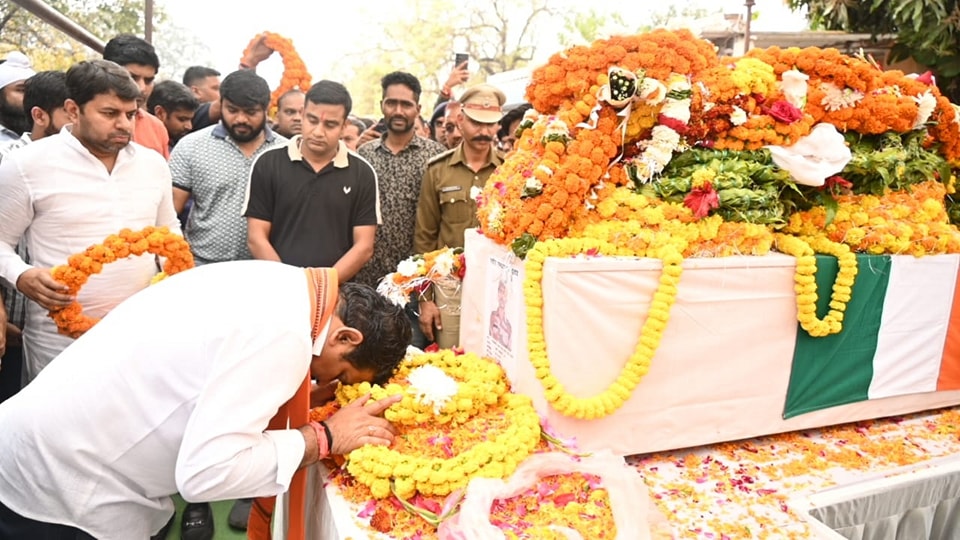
column 776, row 487
column 721, row 372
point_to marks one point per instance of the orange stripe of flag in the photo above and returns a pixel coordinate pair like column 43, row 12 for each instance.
column 949, row 378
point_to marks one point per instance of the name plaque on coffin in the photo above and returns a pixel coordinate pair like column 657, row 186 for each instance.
column 723, row 367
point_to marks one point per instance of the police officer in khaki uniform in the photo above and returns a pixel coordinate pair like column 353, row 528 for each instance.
column 446, row 208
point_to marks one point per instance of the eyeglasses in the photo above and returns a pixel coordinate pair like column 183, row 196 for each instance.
column 450, row 128
column 402, row 103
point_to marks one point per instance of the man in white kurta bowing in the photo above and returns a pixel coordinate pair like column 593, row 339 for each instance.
column 156, row 399
column 66, row 192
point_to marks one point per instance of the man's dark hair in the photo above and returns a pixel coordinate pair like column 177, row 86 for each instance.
column 287, row 94
column 129, row 49
column 46, row 89
column 330, row 93
column 400, row 77
column 510, row 117
column 384, row 325
column 356, row 122
column 195, row 74
column 90, row 78
column 245, row 89
column 172, row 96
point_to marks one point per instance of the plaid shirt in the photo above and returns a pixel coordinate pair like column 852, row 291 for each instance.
column 13, row 301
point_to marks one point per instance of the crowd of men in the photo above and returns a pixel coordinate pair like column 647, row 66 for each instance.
column 102, row 147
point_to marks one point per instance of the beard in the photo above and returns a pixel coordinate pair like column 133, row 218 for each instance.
column 251, row 131
column 12, row 117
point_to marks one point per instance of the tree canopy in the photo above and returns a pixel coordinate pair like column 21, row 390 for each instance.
column 926, row 30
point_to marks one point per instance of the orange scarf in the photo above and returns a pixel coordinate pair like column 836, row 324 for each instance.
column 322, row 283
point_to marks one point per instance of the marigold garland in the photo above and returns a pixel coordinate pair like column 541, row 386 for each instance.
column 160, row 241
column 804, row 248
column 497, row 457
column 637, row 366
column 295, row 74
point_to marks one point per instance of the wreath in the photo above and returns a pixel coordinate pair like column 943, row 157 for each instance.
column 295, row 74
column 160, row 241
column 480, row 385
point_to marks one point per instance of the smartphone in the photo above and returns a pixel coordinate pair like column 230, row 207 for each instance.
column 460, row 58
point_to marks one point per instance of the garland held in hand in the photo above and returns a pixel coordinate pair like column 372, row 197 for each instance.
column 295, row 74
column 160, row 241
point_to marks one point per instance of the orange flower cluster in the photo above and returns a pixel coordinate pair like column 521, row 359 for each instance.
column 566, row 174
column 888, row 102
column 295, row 74
column 762, row 129
column 569, row 76
column 900, row 222
column 157, row 240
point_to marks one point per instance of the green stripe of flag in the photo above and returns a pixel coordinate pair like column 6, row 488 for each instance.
column 837, row 369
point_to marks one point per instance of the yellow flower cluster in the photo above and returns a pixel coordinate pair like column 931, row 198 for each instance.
column 803, row 248
column 638, row 365
column 898, row 222
column 480, row 384
column 631, row 220
column 753, row 76
column 497, row 457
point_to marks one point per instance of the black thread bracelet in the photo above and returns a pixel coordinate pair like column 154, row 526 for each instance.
column 326, row 430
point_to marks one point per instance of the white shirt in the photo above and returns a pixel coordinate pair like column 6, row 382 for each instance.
column 171, row 391
column 60, row 199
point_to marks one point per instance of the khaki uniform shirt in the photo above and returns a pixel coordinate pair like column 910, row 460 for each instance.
column 445, row 209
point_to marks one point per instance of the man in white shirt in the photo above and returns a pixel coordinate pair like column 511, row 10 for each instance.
column 68, row 191
column 156, row 400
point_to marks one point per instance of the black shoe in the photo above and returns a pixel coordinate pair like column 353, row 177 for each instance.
column 197, row 522
column 239, row 514
column 162, row 535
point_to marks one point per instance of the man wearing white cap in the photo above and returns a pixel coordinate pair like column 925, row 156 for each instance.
column 14, row 70
column 447, row 206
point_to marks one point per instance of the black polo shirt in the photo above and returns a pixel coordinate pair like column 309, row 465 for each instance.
column 312, row 214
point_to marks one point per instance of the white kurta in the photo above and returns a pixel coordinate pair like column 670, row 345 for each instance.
column 61, row 199
column 171, row 391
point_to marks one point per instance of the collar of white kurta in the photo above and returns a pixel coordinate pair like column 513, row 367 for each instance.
column 340, row 161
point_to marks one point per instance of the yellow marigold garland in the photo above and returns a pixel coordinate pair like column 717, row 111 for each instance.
column 480, row 382
column 804, row 248
column 379, row 466
column 160, row 241
column 295, row 74
column 637, row 366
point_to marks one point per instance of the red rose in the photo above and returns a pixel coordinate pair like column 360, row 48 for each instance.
column 927, row 78
column 784, row 111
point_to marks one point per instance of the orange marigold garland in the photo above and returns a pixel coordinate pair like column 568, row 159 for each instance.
column 160, row 241
column 295, row 74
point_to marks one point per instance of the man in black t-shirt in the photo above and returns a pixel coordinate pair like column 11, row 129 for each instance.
column 312, row 203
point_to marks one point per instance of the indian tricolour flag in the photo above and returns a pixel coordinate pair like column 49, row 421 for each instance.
column 901, row 334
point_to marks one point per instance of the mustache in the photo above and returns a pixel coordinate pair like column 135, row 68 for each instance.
column 482, row 138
